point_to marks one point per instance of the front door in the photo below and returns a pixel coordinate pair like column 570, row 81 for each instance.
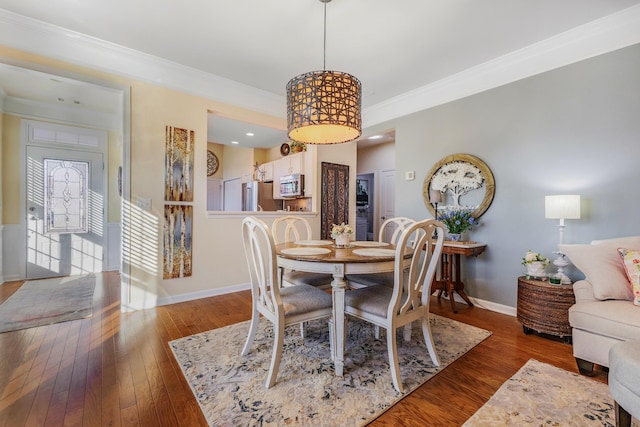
column 65, row 205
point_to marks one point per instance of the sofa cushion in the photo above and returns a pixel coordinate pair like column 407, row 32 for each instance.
column 600, row 263
column 631, row 263
column 615, row 318
column 629, row 241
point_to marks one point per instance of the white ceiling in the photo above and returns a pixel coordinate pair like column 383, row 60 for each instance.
column 393, row 47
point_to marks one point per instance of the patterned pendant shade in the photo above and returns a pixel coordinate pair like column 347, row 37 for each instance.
column 323, row 107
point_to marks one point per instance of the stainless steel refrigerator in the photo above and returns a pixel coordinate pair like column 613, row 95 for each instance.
column 258, row 195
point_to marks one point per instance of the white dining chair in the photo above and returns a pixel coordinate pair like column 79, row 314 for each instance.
column 408, row 299
column 390, row 232
column 292, row 229
column 281, row 306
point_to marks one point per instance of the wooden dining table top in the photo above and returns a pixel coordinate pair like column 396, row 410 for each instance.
column 341, row 254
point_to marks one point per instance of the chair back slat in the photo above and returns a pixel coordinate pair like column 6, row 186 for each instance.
column 290, row 229
column 392, row 228
column 412, row 284
column 260, row 252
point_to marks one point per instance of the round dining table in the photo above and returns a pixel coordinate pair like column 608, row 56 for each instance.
column 323, row 256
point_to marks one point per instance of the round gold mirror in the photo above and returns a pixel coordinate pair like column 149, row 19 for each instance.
column 458, row 179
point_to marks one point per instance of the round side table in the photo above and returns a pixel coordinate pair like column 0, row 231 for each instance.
column 544, row 308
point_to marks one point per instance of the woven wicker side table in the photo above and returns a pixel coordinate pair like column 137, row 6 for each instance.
column 544, row 308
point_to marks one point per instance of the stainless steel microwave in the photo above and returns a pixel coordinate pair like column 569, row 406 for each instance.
column 292, row 185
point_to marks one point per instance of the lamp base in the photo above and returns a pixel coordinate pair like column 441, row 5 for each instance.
column 561, row 263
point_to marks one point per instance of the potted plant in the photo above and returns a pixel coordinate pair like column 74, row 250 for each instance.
column 457, row 222
column 535, row 263
column 297, row 147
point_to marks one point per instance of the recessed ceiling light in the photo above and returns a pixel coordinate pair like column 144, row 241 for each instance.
column 249, row 133
column 235, row 142
column 375, row 137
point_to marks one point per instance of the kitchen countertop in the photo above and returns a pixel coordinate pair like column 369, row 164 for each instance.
column 259, row 214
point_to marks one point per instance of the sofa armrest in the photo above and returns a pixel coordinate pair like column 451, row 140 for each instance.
column 583, row 291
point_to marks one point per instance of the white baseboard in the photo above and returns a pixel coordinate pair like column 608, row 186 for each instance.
column 487, row 305
column 492, row 306
column 203, row 294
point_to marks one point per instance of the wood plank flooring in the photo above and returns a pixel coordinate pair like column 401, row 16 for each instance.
column 116, row 369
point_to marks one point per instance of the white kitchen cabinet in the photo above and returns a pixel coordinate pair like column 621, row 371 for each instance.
column 266, row 171
column 288, row 165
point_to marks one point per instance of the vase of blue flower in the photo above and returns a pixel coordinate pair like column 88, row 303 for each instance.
column 457, row 221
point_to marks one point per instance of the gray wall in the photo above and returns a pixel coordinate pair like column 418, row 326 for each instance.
column 574, row 130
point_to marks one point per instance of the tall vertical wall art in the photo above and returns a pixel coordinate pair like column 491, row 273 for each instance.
column 178, row 208
column 178, row 176
column 178, row 222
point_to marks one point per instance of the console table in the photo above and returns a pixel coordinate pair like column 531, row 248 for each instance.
column 449, row 280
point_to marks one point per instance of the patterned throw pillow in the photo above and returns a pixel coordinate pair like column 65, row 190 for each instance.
column 631, row 262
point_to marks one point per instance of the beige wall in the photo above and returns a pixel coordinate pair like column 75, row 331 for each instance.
column 218, row 259
column 377, row 158
column 11, row 169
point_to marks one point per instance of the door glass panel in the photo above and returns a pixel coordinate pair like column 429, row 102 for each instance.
column 65, row 203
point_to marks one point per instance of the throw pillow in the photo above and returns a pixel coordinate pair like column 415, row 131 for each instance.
column 631, row 262
column 602, row 268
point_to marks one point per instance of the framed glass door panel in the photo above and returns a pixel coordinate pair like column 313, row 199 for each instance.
column 65, row 212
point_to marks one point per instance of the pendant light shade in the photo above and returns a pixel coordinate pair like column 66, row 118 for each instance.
column 323, row 107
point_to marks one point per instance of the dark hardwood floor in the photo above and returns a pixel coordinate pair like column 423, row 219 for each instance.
column 116, row 369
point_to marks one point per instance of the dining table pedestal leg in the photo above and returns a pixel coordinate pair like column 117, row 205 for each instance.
column 338, row 287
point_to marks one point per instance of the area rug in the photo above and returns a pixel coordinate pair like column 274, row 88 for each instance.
column 47, row 301
column 231, row 389
column 541, row 394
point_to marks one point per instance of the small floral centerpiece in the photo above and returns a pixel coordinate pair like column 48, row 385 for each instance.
column 341, row 233
column 457, row 221
column 535, row 263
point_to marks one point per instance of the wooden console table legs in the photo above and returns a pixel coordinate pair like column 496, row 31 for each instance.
column 450, row 282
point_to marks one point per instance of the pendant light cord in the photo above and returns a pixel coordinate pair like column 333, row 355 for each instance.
column 324, row 47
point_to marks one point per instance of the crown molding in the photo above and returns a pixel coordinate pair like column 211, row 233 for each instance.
column 34, row 36
column 604, row 35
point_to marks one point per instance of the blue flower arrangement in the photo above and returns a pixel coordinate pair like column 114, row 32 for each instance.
column 458, row 220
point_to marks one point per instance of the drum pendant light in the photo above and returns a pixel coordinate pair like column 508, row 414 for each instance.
column 324, row 107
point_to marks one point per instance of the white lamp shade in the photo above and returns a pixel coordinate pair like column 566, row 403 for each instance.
column 562, row 207
column 435, row 196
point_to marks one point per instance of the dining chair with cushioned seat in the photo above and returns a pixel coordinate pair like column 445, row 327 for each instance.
column 281, row 306
column 391, row 308
column 390, row 232
column 292, row 229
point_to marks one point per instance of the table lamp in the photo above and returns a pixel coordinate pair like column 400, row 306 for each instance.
column 435, row 197
column 562, row 207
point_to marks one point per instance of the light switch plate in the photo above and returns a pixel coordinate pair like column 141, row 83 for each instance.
column 144, row 204
column 409, row 176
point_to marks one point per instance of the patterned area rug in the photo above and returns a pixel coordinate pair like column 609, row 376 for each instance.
column 47, row 301
column 541, row 394
column 231, row 390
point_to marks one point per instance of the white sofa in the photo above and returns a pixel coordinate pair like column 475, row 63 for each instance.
column 604, row 312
